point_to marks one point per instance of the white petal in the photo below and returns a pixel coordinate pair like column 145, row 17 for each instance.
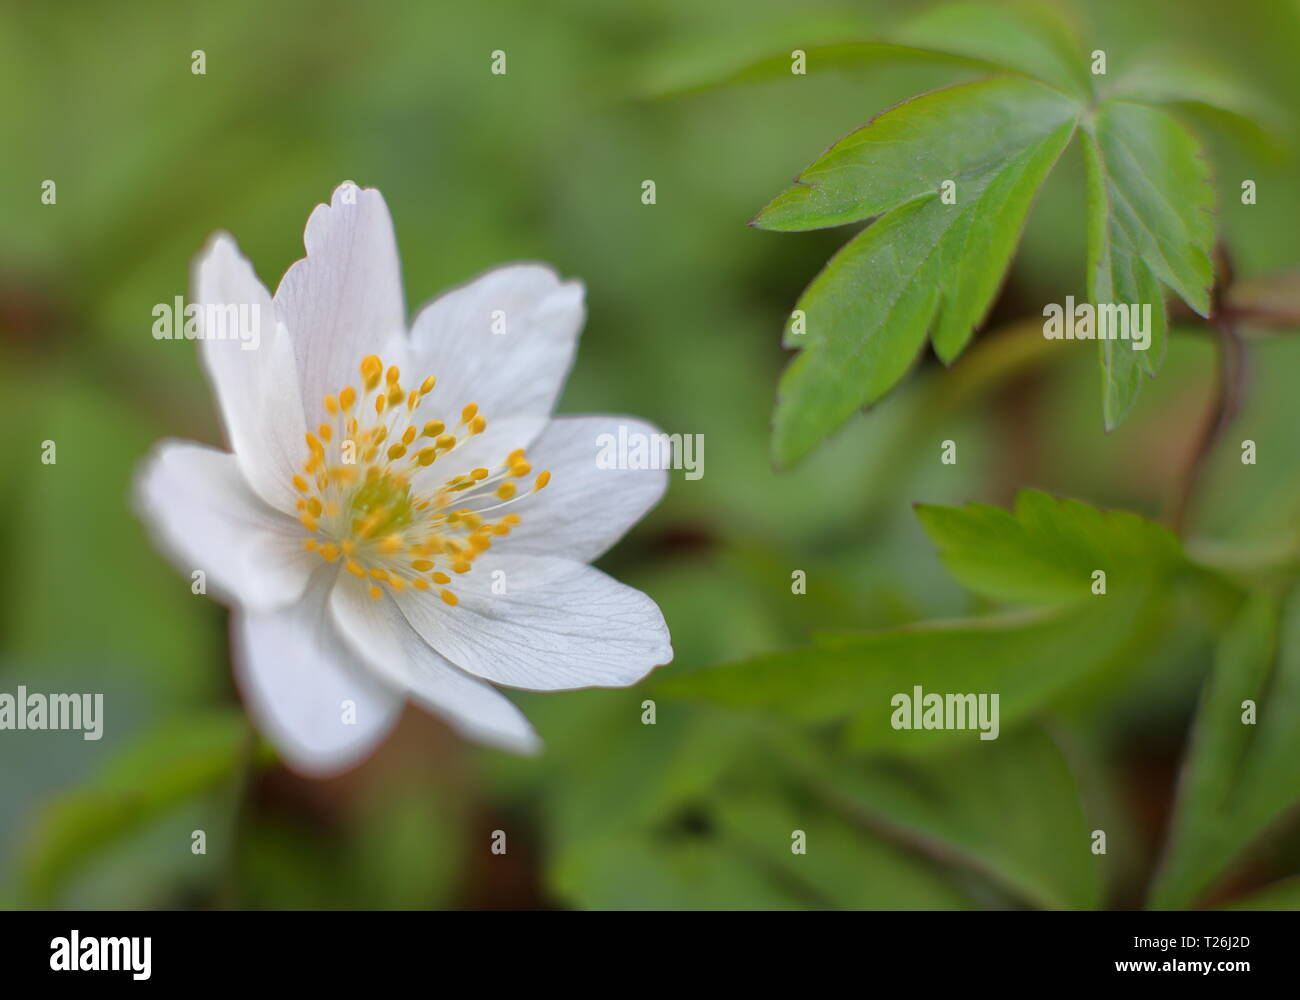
column 585, row 509
column 344, row 299
column 205, row 517
column 255, row 379
column 559, row 625
column 379, row 633
column 517, row 373
column 297, row 676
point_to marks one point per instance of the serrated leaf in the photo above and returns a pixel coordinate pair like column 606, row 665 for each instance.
column 925, row 263
column 1045, row 551
column 958, row 133
column 1150, row 223
column 1238, row 779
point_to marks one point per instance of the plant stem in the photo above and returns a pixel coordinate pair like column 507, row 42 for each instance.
column 1230, row 386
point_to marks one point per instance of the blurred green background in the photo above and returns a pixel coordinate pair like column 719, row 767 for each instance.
column 686, row 308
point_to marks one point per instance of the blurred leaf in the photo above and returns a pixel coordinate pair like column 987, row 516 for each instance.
column 1284, row 895
column 1198, row 82
column 1045, row 551
column 1237, row 779
column 820, row 59
column 737, row 855
column 1028, row 659
column 1150, row 222
column 407, row 848
column 638, row 872
column 641, row 774
column 845, row 866
column 971, row 37
column 281, row 867
column 1008, row 810
column 169, row 766
column 154, row 629
column 1022, row 37
column 995, row 140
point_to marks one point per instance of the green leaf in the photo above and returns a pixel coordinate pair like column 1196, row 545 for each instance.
column 1008, row 810
column 866, row 315
column 1042, row 554
column 1045, row 551
column 1199, row 83
column 821, row 59
column 162, row 770
column 961, row 133
column 854, row 677
column 1021, row 37
column 641, row 872
column 639, row 776
column 407, row 848
column 845, row 866
column 1238, row 779
column 1284, row 895
column 1150, row 223
column 973, row 37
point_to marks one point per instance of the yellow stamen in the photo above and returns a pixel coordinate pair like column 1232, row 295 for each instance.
column 371, row 367
column 357, row 499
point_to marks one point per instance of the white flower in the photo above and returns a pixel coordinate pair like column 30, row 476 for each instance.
column 452, row 550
